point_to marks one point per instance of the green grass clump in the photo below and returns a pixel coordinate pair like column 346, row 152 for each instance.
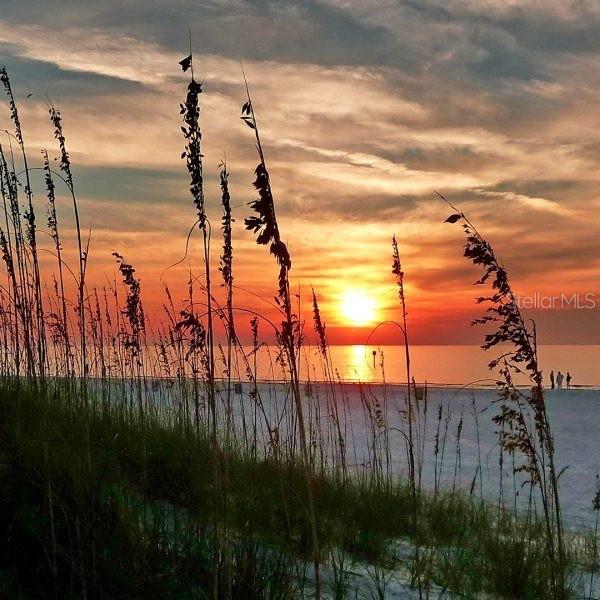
column 99, row 499
column 96, row 506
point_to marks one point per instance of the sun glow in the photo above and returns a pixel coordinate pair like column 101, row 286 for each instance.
column 357, row 307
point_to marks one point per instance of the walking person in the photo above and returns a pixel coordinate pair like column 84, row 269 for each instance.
column 559, row 380
column 552, row 379
column 569, row 378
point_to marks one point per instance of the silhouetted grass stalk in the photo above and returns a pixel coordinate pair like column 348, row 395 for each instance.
column 399, row 273
column 53, row 226
column 65, row 167
column 267, row 229
column 193, row 155
column 537, row 447
column 323, row 347
column 31, row 227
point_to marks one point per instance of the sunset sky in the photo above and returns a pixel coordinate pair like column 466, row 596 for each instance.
column 365, row 109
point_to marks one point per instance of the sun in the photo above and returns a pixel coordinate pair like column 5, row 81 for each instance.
column 357, row 307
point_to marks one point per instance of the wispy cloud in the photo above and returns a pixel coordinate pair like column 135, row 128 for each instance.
column 90, row 51
column 542, row 204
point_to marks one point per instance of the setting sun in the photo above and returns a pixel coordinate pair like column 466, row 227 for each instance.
column 357, row 307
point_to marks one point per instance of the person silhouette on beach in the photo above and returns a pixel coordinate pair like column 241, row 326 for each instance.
column 552, row 379
column 559, row 380
column 569, row 378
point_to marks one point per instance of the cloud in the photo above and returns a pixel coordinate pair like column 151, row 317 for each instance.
column 96, row 51
column 363, row 111
column 533, row 202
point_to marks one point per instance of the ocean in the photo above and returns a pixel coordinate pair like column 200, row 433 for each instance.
column 439, row 365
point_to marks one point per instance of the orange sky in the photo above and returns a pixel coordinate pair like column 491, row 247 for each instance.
column 363, row 115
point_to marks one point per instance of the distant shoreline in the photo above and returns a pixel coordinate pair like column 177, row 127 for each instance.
column 475, row 386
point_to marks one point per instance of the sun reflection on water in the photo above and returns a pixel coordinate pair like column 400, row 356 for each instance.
column 360, row 362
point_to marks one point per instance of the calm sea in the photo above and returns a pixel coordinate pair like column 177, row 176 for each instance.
column 452, row 365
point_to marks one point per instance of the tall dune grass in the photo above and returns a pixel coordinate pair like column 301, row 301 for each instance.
column 119, row 437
